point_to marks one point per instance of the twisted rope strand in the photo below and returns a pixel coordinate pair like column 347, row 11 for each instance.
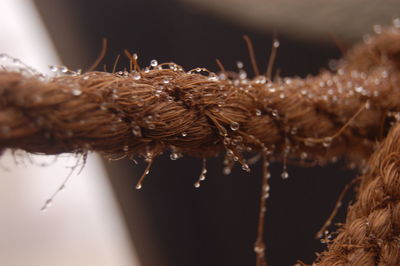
column 371, row 235
column 130, row 113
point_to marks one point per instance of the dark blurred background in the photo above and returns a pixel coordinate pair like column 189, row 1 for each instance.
column 170, row 222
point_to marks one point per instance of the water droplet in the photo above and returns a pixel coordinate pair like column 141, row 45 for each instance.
column 266, row 188
column 158, row 92
column 235, row 126
column 46, row 205
column 239, row 64
column 327, row 142
column 136, row 75
column 165, row 81
column 242, row 74
column 53, row 68
column 138, row 186
column 259, row 248
column 368, row 105
column 222, row 76
column 197, row 184
column 76, row 92
column 276, row 44
column 229, row 153
column 309, row 142
column 246, row 168
column 126, row 148
column 377, row 29
column 226, row 171
column 172, row 66
column 212, row 77
column 64, row 69
column 173, row 156
column 184, row 134
column 258, row 112
column 359, row 89
column 227, row 141
column 136, row 131
column 153, row 63
column 285, row 174
column 202, row 177
column 266, row 195
column 135, row 56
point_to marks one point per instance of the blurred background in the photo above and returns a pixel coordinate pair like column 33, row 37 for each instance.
column 100, row 219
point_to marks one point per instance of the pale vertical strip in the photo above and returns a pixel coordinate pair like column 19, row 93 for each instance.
column 84, row 225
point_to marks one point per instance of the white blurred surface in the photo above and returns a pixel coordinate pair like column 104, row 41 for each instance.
column 347, row 20
column 84, row 225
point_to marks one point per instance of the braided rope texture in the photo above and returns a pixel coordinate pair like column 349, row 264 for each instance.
column 371, row 234
column 345, row 112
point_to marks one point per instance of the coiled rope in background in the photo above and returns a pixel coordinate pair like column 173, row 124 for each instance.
column 346, row 112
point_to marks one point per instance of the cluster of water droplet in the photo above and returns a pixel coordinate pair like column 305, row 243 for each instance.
column 11, row 64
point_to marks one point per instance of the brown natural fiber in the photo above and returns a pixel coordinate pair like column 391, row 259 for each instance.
column 121, row 113
column 371, row 233
column 145, row 112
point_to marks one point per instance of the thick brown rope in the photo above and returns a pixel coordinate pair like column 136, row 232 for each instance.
column 371, row 235
column 132, row 113
column 149, row 111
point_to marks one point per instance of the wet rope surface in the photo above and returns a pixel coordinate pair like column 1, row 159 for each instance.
column 146, row 112
column 370, row 235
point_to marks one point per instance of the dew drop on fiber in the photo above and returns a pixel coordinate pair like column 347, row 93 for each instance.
column 53, row 68
column 76, row 92
column 327, row 142
column 242, row 74
column 153, row 63
column 63, row 69
column 226, row 171
column 136, row 75
column 239, row 64
column 245, row 167
column 285, row 175
column 173, row 156
column 235, row 126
